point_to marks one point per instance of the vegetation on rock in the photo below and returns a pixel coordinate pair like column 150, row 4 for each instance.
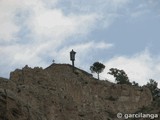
column 120, row 76
column 97, row 67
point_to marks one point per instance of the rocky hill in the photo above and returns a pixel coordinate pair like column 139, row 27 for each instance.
column 59, row 93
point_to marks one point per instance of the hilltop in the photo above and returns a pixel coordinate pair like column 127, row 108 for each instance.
column 59, row 93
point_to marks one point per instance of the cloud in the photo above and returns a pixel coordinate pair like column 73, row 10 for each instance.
column 40, row 19
column 55, row 24
column 139, row 67
column 103, row 45
column 8, row 28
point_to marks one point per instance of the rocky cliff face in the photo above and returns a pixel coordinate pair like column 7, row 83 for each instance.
column 59, row 93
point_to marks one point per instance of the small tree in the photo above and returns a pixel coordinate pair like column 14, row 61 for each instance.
column 120, row 76
column 97, row 67
column 135, row 84
column 153, row 86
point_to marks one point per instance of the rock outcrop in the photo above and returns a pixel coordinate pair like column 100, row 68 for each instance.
column 59, row 93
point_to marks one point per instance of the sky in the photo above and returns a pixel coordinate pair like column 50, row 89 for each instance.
column 123, row 34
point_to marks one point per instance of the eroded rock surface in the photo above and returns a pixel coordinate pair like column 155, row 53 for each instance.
column 58, row 93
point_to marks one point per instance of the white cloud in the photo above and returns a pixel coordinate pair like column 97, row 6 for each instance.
column 42, row 20
column 140, row 67
column 103, row 45
column 8, row 28
column 55, row 24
